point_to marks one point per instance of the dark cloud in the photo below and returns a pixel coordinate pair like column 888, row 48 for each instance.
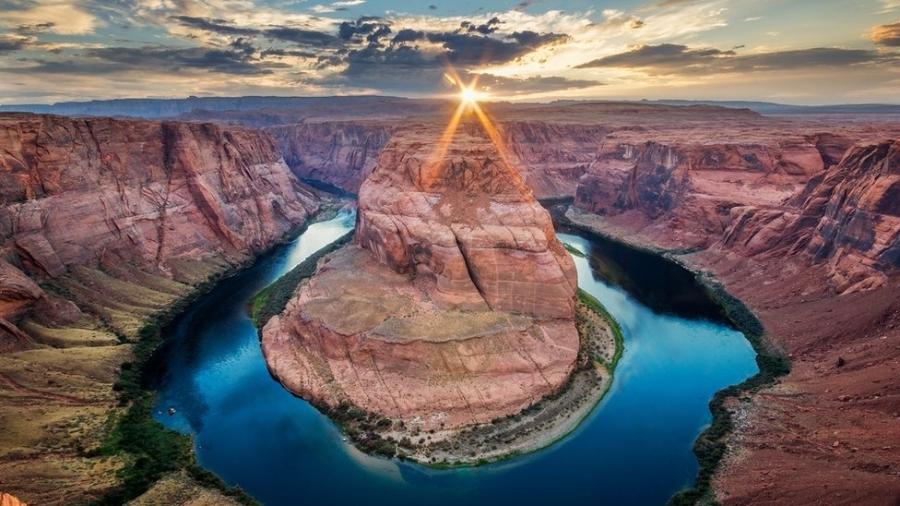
column 534, row 40
column 407, row 35
column 9, row 44
column 229, row 61
column 404, row 66
column 887, row 35
column 238, row 60
column 299, row 36
column 33, row 29
column 491, row 26
column 679, row 59
column 265, row 53
column 368, row 29
column 220, row 26
column 814, row 57
column 469, row 49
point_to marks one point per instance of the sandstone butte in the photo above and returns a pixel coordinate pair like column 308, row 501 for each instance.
column 103, row 224
column 454, row 306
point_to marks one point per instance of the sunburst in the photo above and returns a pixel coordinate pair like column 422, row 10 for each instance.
column 469, row 96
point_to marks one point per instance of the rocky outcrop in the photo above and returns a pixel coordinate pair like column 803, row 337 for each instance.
column 848, row 219
column 103, row 225
column 132, row 198
column 467, row 226
column 819, row 268
column 9, row 500
column 552, row 156
column 342, row 154
column 79, row 192
column 454, row 307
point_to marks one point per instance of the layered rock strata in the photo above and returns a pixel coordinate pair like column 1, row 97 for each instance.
column 103, row 224
column 455, row 305
column 339, row 153
column 819, row 267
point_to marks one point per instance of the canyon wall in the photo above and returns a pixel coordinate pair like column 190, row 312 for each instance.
column 136, row 195
column 454, row 306
column 812, row 248
column 758, row 201
column 341, row 154
column 552, row 156
column 104, row 224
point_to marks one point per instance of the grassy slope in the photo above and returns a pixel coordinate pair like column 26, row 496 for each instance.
column 272, row 299
column 151, row 450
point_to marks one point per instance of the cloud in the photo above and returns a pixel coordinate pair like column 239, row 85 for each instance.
column 10, row 44
column 238, row 60
column 369, row 29
column 300, row 36
column 487, row 28
column 61, row 17
column 410, row 59
column 662, row 55
column 680, row 59
column 217, row 26
column 889, row 5
column 887, row 35
column 468, row 49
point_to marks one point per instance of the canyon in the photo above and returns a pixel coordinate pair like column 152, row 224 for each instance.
column 105, row 222
column 104, row 225
column 455, row 306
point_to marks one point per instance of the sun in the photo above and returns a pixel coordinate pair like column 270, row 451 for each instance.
column 468, row 95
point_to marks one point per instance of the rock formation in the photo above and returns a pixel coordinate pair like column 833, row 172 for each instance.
column 847, row 218
column 552, row 156
column 813, row 251
column 342, row 154
column 103, row 224
column 135, row 196
column 454, row 307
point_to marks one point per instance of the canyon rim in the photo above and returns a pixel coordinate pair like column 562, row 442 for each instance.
column 524, row 252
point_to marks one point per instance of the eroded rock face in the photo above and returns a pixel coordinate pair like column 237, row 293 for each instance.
column 342, row 154
column 131, row 197
column 454, row 307
column 467, row 226
column 847, row 219
column 146, row 192
column 552, row 156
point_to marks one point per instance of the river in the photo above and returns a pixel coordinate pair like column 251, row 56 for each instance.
column 635, row 448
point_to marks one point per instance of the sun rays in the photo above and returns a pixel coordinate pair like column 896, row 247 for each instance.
column 469, row 95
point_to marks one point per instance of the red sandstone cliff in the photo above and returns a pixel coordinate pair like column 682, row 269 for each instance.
column 454, row 307
column 342, row 154
column 132, row 197
column 819, row 267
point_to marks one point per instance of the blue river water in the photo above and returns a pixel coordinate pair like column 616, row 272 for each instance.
column 635, row 448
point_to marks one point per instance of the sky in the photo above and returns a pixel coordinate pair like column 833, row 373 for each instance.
column 790, row 51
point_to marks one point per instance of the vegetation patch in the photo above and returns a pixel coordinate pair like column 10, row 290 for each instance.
column 573, row 250
column 711, row 444
column 272, row 299
column 151, row 450
column 595, row 305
